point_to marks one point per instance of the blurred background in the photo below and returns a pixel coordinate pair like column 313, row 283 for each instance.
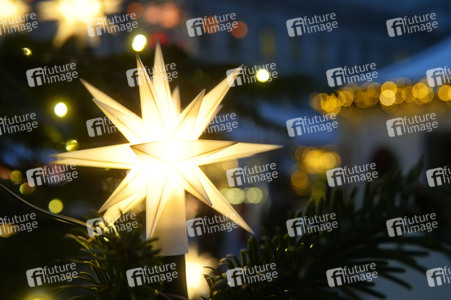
column 262, row 109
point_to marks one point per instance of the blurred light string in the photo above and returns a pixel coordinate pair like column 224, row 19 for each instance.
column 60, row 218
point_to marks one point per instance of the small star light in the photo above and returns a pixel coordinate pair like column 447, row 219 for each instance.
column 73, row 16
column 164, row 154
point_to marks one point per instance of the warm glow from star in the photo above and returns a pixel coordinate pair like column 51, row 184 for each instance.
column 73, row 16
column 164, row 154
column 9, row 8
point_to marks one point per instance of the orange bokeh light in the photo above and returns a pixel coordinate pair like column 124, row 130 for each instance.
column 240, row 31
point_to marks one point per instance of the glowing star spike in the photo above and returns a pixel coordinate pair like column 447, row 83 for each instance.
column 164, row 154
column 77, row 17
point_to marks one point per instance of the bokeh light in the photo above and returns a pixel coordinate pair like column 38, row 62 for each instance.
column 26, row 51
column 60, row 109
column 7, row 230
column 240, row 31
column 444, row 93
column 26, row 189
column 135, row 8
column 262, row 75
column 16, row 177
column 317, row 161
column 254, row 195
column 56, row 206
column 139, row 42
column 234, row 195
column 72, row 145
column 168, row 15
column 387, row 97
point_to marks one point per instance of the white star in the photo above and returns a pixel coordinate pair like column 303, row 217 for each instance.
column 164, row 154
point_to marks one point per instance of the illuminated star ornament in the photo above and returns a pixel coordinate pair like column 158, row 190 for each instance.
column 11, row 9
column 164, row 154
column 74, row 16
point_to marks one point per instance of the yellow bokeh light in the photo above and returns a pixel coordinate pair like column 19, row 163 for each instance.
column 373, row 89
column 72, row 145
column 262, row 75
column 26, row 189
column 38, row 296
column 444, row 92
column 389, row 86
column 299, row 180
column 254, row 195
column 317, row 161
column 345, row 97
column 56, row 206
column 387, row 97
column 315, row 102
column 330, row 104
column 7, row 230
column 234, row 195
column 363, row 99
column 60, row 109
column 27, row 51
column 16, row 177
column 420, row 90
column 139, row 42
